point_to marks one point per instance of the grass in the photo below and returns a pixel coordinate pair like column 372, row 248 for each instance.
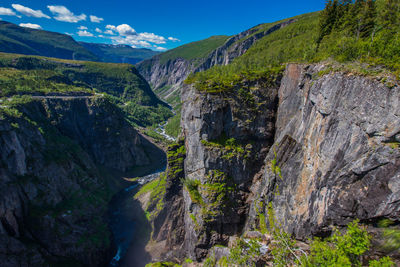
column 195, row 50
column 173, row 127
column 230, row 147
column 157, row 189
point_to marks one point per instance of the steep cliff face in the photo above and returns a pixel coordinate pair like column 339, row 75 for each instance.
column 227, row 137
column 167, row 78
column 53, row 196
column 321, row 147
column 336, row 143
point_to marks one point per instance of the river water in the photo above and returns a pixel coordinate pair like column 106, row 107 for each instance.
column 129, row 227
column 126, row 220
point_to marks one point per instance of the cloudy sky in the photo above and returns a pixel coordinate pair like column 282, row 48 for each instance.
column 158, row 25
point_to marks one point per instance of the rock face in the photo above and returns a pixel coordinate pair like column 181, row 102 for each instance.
column 322, row 149
column 336, row 144
column 227, row 137
column 53, row 196
column 167, row 78
column 169, row 224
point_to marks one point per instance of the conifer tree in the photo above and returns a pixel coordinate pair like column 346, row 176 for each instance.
column 368, row 19
column 328, row 19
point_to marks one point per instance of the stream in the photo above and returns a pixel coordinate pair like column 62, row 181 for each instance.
column 161, row 130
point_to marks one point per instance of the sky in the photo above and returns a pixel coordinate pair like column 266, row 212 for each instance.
column 157, row 25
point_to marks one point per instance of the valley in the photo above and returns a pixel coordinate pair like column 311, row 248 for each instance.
column 276, row 146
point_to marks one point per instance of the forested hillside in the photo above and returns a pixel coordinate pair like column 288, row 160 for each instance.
column 363, row 31
column 29, row 75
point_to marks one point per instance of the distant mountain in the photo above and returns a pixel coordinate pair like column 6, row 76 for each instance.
column 167, row 71
column 119, row 53
column 21, row 40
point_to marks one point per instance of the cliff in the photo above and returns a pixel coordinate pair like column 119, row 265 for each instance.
column 321, row 147
column 336, row 144
column 55, row 191
column 166, row 76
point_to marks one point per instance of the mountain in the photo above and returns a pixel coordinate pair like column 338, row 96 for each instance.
column 67, row 134
column 21, row 40
column 119, row 53
column 288, row 152
column 167, row 71
column 290, row 140
column 33, row 75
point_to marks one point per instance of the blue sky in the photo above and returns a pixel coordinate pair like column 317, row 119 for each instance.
column 157, row 25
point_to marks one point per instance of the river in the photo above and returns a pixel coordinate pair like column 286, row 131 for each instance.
column 127, row 220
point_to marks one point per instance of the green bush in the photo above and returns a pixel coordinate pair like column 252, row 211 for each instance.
column 342, row 249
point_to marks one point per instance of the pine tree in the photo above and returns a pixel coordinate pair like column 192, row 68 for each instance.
column 328, row 19
column 368, row 19
column 390, row 15
column 346, row 19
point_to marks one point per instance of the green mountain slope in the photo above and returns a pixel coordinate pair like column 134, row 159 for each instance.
column 366, row 32
column 195, row 50
column 21, row 40
column 119, row 53
column 34, row 75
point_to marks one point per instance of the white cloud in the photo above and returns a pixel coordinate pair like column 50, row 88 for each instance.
column 159, row 48
column 173, row 39
column 30, row 25
column 98, row 30
column 125, row 30
column 85, row 34
column 82, row 28
column 95, row 19
column 129, row 41
column 68, row 33
column 111, row 27
column 29, row 11
column 7, row 11
column 101, row 36
column 63, row 14
column 127, row 35
column 151, row 37
column 110, row 32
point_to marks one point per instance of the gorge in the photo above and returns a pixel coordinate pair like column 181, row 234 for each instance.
column 288, row 140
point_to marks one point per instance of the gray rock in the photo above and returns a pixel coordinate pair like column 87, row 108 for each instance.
column 333, row 138
column 53, row 198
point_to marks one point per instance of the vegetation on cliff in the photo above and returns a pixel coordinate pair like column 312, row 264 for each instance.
column 346, row 31
column 32, row 75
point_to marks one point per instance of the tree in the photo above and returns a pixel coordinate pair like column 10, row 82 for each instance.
column 328, row 19
column 369, row 17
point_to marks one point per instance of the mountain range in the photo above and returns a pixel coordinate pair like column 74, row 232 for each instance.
column 287, row 148
column 22, row 40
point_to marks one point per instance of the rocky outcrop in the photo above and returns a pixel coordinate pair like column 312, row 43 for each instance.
column 227, row 137
column 319, row 147
column 167, row 78
column 53, row 196
column 336, row 144
column 169, row 223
